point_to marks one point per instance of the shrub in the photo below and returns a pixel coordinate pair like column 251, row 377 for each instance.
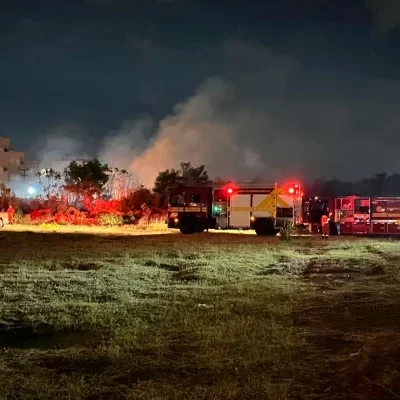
column 53, row 204
column 110, row 220
column 301, row 229
column 21, row 218
column 62, row 217
column 286, row 232
column 38, row 217
column 135, row 199
column 101, row 206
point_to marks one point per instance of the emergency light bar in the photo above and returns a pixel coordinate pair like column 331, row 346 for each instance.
column 293, row 188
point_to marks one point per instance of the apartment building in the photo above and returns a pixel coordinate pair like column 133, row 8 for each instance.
column 13, row 163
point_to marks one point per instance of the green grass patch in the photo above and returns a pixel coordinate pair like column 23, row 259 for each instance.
column 200, row 317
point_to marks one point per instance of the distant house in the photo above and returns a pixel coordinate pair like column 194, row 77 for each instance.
column 13, row 163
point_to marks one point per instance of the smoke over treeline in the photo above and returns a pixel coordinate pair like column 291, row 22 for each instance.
column 262, row 116
column 204, row 130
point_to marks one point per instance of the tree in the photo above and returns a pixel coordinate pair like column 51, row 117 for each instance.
column 165, row 181
column 194, row 175
column 5, row 197
column 120, row 183
column 50, row 182
column 380, row 184
column 86, row 178
column 186, row 175
column 137, row 198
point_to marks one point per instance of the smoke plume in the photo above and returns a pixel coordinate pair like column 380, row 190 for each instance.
column 262, row 116
column 222, row 125
column 119, row 147
column 60, row 146
column 204, row 130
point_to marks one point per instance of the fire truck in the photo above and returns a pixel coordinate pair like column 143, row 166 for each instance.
column 262, row 207
column 357, row 215
column 368, row 215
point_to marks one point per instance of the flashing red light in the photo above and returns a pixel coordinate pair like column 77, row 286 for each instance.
column 230, row 190
column 293, row 188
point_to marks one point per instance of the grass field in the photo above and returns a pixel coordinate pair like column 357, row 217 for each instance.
column 206, row 316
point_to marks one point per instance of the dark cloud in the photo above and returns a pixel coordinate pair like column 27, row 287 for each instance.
column 146, row 102
column 385, row 14
column 133, row 2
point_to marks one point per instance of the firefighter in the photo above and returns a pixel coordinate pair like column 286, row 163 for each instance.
column 333, row 230
column 325, row 226
column 10, row 213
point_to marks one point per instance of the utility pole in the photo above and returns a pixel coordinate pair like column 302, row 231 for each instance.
column 23, row 170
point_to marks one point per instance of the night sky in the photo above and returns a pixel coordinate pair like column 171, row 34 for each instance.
column 266, row 88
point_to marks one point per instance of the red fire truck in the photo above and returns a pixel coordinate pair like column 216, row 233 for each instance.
column 368, row 215
column 242, row 205
column 357, row 215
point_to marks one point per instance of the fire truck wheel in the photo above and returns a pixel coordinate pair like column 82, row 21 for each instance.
column 264, row 227
column 199, row 227
column 188, row 225
column 183, row 229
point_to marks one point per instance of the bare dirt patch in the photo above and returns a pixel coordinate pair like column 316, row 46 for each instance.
column 388, row 257
column 27, row 337
column 327, row 273
column 284, row 266
column 365, row 367
column 181, row 270
column 80, row 265
column 351, row 330
column 187, row 274
column 168, row 267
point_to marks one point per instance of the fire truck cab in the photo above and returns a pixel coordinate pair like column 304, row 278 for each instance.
column 242, row 205
column 190, row 209
column 313, row 209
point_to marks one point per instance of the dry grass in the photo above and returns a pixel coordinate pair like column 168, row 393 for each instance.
column 208, row 316
column 142, row 229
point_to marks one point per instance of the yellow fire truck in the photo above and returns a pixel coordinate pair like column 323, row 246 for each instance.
column 243, row 205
